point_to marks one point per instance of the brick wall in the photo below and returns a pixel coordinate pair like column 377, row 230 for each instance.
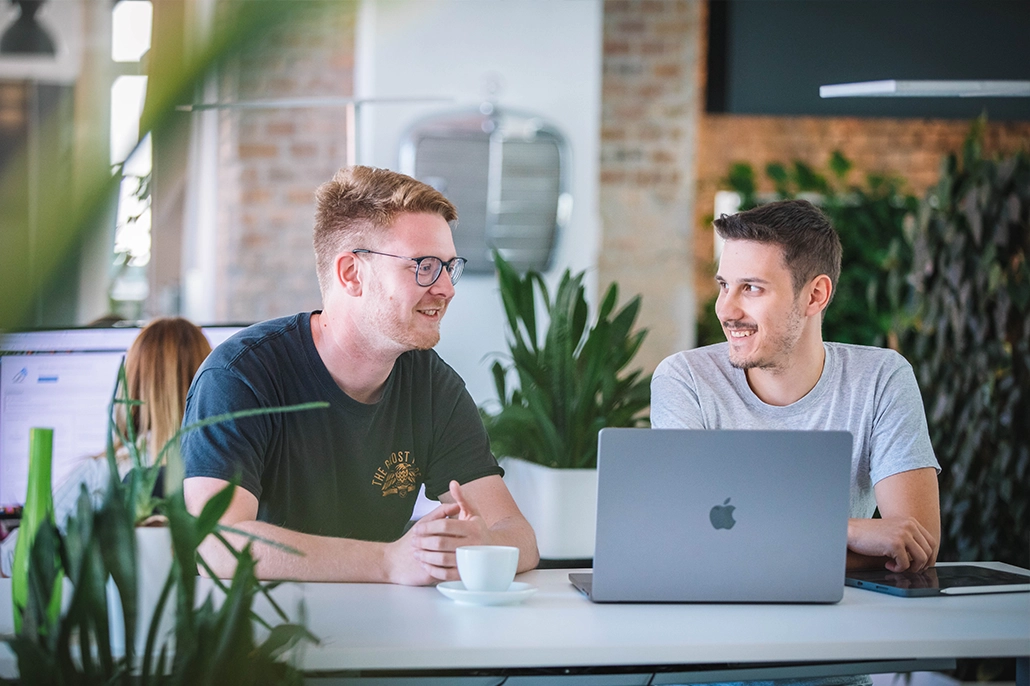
column 272, row 160
column 909, row 148
column 663, row 159
column 650, row 103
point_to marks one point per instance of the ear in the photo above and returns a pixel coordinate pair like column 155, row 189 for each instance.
column 819, row 291
column 348, row 273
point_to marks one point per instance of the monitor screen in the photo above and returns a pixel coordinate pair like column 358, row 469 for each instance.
column 60, row 379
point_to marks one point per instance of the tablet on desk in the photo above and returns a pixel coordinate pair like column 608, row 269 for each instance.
column 958, row 579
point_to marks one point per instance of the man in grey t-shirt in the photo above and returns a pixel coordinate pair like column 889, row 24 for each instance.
column 777, row 274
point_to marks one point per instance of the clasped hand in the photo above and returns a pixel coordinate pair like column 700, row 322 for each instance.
column 425, row 554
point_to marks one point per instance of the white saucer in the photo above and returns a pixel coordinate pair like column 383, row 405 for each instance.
column 516, row 593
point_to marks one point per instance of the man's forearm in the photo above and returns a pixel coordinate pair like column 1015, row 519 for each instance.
column 859, row 561
column 897, row 543
column 515, row 531
column 320, row 558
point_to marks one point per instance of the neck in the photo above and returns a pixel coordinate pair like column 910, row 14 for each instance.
column 357, row 367
column 790, row 381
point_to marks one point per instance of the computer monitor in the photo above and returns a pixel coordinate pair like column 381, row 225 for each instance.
column 61, row 379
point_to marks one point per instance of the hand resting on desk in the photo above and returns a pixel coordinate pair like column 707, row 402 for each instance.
column 908, row 535
column 426, row 555
column 902, row 543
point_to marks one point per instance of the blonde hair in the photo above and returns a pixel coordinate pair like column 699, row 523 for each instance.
column 159, row 368
column 360, row 202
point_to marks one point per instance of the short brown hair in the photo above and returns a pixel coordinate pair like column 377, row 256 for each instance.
column 358, row 203
column 159, row 367
column 810, row 244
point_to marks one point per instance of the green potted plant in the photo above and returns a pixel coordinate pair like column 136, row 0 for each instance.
column 153, row 630
column 567, row 382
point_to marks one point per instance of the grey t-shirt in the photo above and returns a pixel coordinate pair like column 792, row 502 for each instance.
column 870, row 392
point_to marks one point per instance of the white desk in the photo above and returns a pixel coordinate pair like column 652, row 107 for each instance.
column 371, row 629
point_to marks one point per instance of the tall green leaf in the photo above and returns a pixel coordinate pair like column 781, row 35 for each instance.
column 569, row 381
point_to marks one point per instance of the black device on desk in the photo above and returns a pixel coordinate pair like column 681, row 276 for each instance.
column 961, row 579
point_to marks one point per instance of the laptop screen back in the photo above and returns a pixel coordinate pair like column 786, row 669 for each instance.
column 721, row 516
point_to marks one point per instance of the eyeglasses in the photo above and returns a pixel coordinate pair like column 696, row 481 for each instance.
column 428, row 268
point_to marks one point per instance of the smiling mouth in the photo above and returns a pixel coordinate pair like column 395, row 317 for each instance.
column 735, row 329
column 431, row 312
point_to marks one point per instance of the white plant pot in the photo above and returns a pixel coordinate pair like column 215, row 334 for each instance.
column 560, row 505
column 154, row 557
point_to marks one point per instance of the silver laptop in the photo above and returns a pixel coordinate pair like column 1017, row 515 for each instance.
column 720, row 516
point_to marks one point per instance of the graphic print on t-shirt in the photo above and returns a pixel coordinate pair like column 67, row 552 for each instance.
column 398, row 475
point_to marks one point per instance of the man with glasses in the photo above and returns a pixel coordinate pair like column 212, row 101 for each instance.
column 339, row 484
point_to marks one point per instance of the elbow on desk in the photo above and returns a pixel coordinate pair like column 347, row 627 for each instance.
column 529, row 556
column 532, row 559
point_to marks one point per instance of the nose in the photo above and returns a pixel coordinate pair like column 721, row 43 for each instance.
column 726, row 307
column 443, row 288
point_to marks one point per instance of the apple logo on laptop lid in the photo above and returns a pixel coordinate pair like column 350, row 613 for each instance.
column 721, row 516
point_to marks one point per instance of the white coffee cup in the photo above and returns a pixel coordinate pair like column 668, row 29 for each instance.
column 487, row 567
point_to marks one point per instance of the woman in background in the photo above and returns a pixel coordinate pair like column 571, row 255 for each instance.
column 159, row 367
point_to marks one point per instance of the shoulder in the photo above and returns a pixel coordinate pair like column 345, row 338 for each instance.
column 268, row 339
column 867, row 360
column 683, row 386
column 697, row 362
column 94, row 472
column 255, row 365
column 880, row 375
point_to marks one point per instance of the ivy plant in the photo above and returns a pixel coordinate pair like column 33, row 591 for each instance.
column 968, row 339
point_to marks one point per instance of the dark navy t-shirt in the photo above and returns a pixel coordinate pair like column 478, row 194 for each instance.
column 350, row 470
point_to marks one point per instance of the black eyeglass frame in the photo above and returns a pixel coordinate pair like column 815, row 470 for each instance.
column 455, row 266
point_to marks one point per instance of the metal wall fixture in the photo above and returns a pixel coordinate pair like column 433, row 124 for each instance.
column 25, row 36
column 927, row 89
column 506, row 172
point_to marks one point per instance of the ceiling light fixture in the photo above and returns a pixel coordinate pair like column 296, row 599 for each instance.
column 927, row 89
column 25, row 36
